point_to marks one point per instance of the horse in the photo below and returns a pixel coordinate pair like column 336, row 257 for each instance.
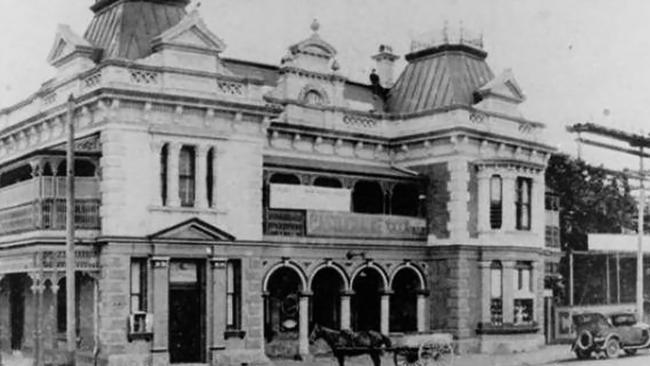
column 348, row 343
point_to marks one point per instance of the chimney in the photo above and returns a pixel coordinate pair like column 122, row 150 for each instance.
column 385, row 60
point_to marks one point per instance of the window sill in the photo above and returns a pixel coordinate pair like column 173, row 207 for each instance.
column 234, row 333
column 507, row 328
column 135, row 336
column 210, row 211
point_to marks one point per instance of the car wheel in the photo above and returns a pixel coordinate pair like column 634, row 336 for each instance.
column 582, row 354
column 585, row 340
column 630, row 352
column 612, row 348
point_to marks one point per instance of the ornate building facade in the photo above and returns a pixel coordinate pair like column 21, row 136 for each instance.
column 224, row 207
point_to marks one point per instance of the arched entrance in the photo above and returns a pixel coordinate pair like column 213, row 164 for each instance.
column 368, row 286
column 282, row 312
column 327, row 285
column 403, row 302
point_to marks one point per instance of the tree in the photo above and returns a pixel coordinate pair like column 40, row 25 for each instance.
column 592, row 200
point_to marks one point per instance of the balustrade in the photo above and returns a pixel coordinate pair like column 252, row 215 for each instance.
column 39, row 204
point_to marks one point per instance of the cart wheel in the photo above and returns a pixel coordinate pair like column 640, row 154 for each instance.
column 436, row 354
column 406, row 358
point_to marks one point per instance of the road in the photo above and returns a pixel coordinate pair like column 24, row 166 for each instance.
column 642, row 358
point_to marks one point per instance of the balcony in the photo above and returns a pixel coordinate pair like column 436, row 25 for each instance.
column 39, row 204
column 317, row 223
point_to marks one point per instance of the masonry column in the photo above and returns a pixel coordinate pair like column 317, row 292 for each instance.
column 509, row 201
column 201, row 176
column 486, row 293
column 172, row 175
column 385, row 312
column 508, row 291
column 421, row 307
column 215, row 159
column 218, row 310
column 160, row 349
column 483, row 179
column 537, row 209
column 345, row 308
column 303, row 323
column 37, row 293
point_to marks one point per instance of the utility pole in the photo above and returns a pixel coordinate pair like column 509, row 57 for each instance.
column 637, row 143
column 70, row 263
column 639, row 254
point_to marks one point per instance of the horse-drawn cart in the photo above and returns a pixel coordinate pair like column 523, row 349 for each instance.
column 423, row 350
column 408, row 350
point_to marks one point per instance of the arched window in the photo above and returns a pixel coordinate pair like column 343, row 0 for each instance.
column 164, row 154
column 496, row 202
column 368, row 197
column 284, row 178
column 313, row 97
column 496, row 293
column 186, row 176
column 327, row 182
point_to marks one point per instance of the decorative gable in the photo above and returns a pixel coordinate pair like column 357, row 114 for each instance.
column 190, row 34
column 192, row 229
column 68, row 46
column 503, row 86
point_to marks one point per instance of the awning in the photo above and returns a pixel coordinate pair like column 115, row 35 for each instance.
column 337, row 167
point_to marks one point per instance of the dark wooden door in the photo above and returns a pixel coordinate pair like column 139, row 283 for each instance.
column 185, row 325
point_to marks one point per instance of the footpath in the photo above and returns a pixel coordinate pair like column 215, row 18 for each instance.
column 546, row 355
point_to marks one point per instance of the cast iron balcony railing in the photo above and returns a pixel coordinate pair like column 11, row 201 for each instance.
column 39, row 204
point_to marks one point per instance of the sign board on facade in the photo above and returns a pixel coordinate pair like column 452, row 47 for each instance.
column 299, row 197
column 617, row 243
column 329, row 223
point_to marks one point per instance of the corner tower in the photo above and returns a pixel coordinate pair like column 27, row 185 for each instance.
column 126, row 28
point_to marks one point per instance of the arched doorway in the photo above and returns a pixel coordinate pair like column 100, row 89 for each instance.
column 366, row 301
column 282, row 312
column 326, row 288
column 403, row 301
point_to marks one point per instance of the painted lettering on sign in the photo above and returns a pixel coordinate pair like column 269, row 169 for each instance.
column 328, row 223
column 299, row 197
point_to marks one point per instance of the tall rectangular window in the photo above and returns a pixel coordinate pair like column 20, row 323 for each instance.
column 496, row 293
column 496, row 202
column 164, row 153
column 209, row 179
column 524, row 293
column 233, row 294
column 186, row 176
column 523, row 203
column 138, row 290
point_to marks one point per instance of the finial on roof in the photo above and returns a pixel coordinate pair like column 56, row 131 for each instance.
column 445, row 35
column 335, row 66
column 315, row 25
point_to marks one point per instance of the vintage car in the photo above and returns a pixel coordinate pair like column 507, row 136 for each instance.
column 606, row 336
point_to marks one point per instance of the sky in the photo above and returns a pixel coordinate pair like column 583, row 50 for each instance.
column 576, row 60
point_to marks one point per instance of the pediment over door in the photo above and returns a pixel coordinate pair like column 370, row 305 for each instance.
column 192, row 229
